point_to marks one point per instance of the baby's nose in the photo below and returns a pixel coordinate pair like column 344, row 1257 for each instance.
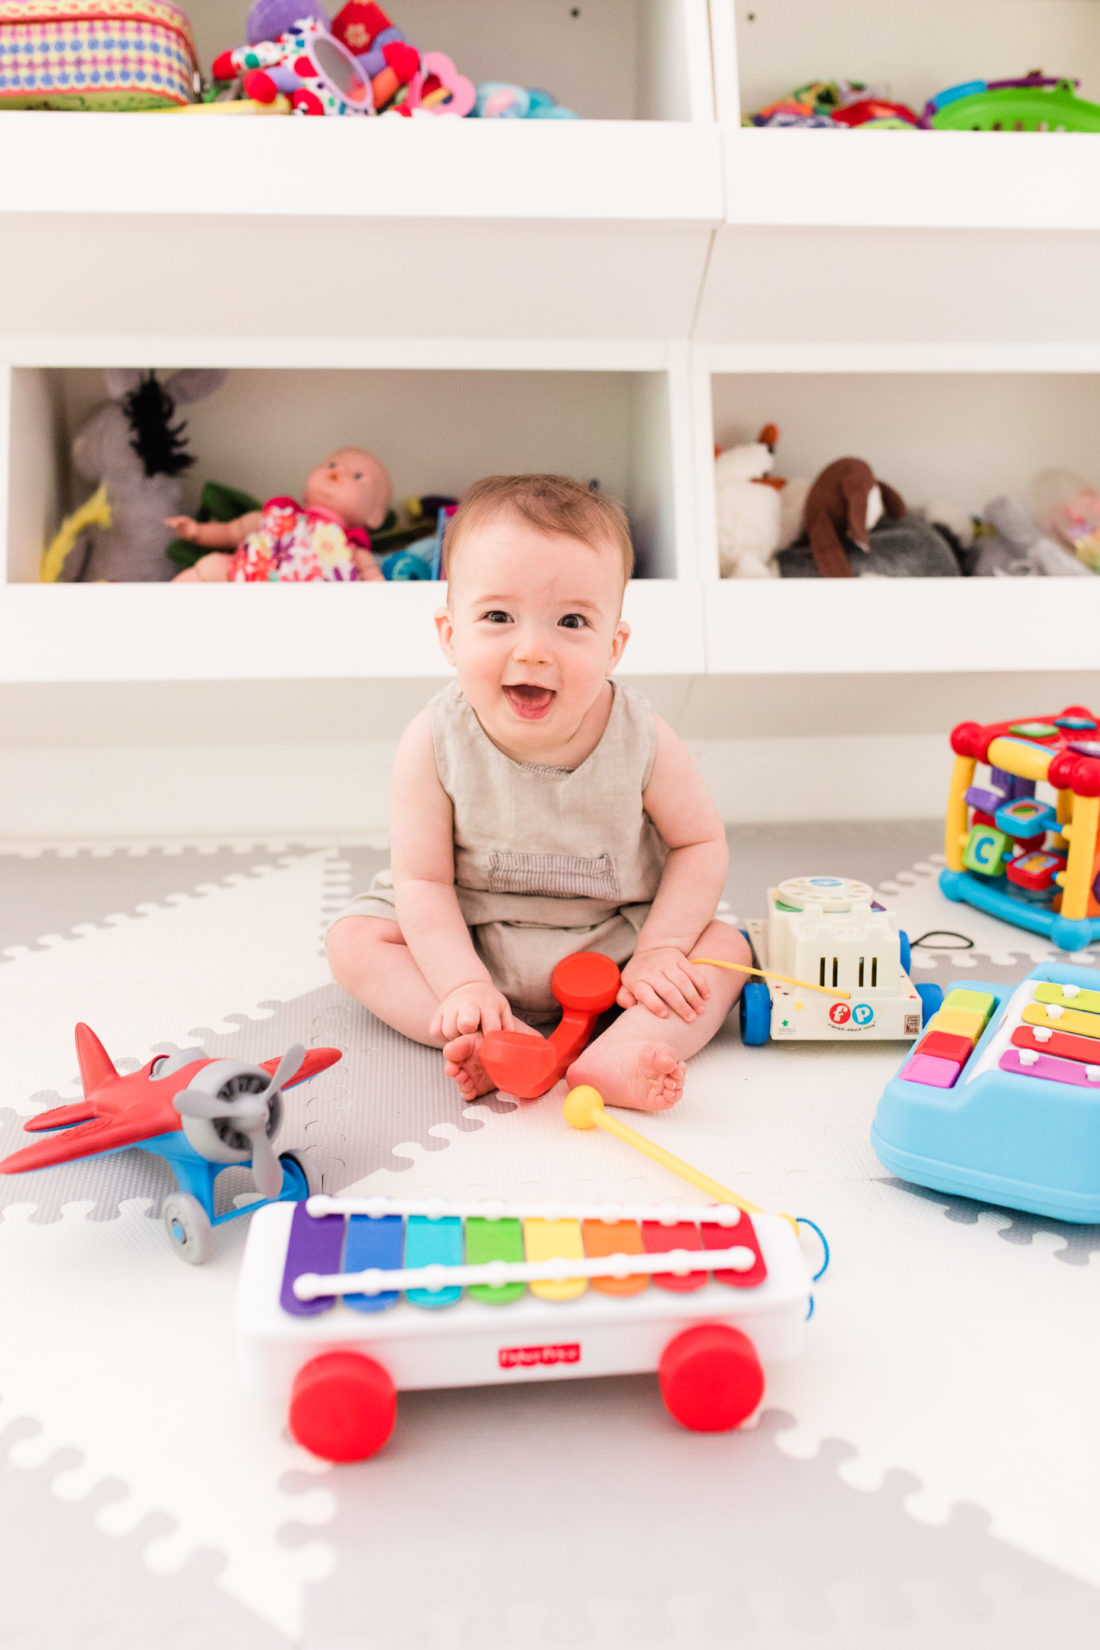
column 531, row 643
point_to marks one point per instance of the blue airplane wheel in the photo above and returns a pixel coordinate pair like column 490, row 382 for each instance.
column 188, row 1226
column 296, row 1176
column 756, row 1013
column 906, row 950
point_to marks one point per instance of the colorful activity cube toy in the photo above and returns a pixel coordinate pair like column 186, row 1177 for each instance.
column 1000, row 1100
column 1031, row 860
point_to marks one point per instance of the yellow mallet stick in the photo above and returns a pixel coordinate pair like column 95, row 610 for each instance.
column 770, row 974
column 584, row 1109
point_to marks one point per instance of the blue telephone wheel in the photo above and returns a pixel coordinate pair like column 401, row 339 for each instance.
column 756, row 1013
column 931, row 997
column 906, row 950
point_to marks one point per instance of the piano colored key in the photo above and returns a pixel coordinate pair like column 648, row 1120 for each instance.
column 659, row 1240
column 553, row 1240
column 374, row 1242
column 488, row 1240
column 1062, row 1043
column 314, row 1245
column 741, row 1236
column 618, row 1237
column 434, row 1243
column 1024, row 1063
column 1062, row 1019
column 1068, row 996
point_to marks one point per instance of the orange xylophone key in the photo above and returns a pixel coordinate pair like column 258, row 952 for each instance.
column 619, row 1237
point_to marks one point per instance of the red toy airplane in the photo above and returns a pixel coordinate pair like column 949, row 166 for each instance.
column 199, row 1113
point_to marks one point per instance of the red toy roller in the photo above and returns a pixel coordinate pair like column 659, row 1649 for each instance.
column 527, row 1065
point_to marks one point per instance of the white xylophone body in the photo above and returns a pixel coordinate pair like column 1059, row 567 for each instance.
column 342, row 1302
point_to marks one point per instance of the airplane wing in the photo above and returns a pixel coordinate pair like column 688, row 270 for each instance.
column 317, row 1059
column 61, row 1117
column 102, row 1134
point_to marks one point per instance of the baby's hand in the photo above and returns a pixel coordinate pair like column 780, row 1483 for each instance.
column 663, row 979
column 473, row 1007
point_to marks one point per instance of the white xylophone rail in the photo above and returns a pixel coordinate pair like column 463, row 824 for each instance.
column 437, row 1208
column 312, row 1286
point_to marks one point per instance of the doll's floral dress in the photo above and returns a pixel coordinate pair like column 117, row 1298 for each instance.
column 297, row 545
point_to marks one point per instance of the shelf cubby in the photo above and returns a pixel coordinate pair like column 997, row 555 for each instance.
column 438, row 428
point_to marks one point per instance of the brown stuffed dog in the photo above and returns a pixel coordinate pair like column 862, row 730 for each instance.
column 845, row 501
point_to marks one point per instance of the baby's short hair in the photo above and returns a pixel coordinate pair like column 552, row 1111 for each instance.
column 553, row 504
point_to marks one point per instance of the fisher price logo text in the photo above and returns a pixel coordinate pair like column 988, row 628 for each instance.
column 526, row 1356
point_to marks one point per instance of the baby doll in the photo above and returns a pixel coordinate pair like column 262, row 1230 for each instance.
column 540, row 809
column 325, row 537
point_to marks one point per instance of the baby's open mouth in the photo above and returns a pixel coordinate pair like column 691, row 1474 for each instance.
column 529, row 701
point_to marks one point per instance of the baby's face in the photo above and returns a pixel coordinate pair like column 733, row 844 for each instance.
column 533, row 627
column 354, row 485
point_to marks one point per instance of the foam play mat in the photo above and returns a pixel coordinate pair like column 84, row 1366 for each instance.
column 917, row 1475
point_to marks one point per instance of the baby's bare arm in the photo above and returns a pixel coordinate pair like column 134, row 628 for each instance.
column 659, row 975
column 422, row 861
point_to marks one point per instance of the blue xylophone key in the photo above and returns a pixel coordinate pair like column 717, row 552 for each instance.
column 434, row 1243
column 373, row 1242
column 314, row 1245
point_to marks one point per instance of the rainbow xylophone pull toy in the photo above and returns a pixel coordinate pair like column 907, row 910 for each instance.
column 344, row 1301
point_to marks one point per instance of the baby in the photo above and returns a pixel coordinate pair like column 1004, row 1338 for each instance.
column 540, row 808
column 324, row 538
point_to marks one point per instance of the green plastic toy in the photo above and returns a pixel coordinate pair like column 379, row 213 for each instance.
column 1032, row 104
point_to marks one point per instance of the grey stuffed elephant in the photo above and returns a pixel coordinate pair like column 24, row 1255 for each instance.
column 132, row 446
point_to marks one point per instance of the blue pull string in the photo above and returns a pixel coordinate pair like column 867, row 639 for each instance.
column 803, row 1220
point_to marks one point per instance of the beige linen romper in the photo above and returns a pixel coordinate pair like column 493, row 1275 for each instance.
column 548, row 861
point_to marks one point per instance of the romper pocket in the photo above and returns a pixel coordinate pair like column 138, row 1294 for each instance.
column 556, row 876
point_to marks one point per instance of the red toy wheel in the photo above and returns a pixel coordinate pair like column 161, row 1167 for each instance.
column 342, row 1406
column 711, row 1379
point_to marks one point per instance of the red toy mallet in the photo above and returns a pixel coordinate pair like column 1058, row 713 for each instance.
column 525, row 1064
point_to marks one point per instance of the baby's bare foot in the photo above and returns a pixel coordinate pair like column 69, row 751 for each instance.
column 645, row 1076
column 462, row 1063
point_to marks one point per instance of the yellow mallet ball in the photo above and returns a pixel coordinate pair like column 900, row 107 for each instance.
column 582, row 1107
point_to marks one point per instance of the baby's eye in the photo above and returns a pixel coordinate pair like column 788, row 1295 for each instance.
column 573, row 621
column 496, row 615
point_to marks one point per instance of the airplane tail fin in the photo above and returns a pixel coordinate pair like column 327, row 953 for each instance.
column 96, row 1067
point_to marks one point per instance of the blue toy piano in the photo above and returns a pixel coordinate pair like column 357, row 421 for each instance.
column 1000, row 1098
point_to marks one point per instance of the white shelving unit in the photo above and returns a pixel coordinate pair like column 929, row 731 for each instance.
column 608, row 297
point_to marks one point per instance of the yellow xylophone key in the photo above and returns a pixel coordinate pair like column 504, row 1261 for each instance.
column 618, row 1237
column 554, row 1240
column 1062, row 1019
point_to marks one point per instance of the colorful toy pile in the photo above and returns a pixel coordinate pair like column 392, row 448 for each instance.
column 1010, row 853
column 1031, row 103
column 359, row 64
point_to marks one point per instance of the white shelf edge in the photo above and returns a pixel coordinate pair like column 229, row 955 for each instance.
column 910, row 179
column 963, row 356
column 636, row 170
column 315, row 632
column 892, row 627
column 307, row 354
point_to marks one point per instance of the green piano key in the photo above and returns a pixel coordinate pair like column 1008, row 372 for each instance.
column 1069, row 997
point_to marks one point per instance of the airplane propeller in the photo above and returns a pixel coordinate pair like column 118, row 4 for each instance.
column 250, row 1114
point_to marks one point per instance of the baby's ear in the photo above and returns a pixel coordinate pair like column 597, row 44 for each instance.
column 445, row 630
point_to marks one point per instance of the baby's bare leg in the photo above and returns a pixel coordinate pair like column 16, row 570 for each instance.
column 370, row 959
column 639, row 1060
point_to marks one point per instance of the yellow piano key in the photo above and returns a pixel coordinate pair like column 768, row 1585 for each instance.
column 554, row 1240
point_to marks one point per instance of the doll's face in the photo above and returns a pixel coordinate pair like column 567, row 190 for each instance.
column 354, row 485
